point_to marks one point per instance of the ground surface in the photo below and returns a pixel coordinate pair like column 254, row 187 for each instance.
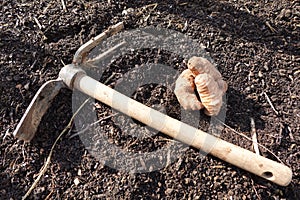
column 256, row 48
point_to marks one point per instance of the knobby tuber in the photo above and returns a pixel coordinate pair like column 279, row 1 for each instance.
column 207, row 80
column 185, row 93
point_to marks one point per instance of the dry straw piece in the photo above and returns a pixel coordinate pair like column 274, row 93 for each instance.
column 207, row 80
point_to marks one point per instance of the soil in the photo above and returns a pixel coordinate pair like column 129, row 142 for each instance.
column 255, row 45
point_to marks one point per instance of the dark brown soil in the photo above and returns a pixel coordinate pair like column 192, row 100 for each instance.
column 256, row 47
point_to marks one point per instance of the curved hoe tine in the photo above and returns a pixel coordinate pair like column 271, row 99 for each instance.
column 40, row 103
column 83, row 51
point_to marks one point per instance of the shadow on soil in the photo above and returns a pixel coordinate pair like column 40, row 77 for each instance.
column 240, row 109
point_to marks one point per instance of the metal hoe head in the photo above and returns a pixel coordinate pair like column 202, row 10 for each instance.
column 42, row 100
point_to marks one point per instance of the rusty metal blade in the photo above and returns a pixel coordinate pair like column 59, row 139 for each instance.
column 30, row 121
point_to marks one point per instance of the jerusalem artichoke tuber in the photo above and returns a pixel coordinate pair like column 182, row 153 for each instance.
column 200, row 65
column 210, row 94
column 185, row 93
column 202, row 75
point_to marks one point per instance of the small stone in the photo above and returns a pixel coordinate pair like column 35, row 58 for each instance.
column 233, row 173
column 266, row 67
column 273, row 80
column 168, row 191
column 3, row 192
column 26, row 87
column 260, row 74
column 79, row 172
column 288, row 13
column 76, row 181
column 19, row 86
column 127, row 11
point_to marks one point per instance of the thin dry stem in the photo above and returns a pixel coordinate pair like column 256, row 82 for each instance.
column 269, row 101
column 38, row 23
column 92, row 124
column 245, row 136
column 254, row 136
column 45, row 166
column 64, row 5
column 258, row 196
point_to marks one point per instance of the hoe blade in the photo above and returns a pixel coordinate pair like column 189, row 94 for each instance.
column 30, row 121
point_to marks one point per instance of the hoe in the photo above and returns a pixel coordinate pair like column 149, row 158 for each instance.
column 74, row 77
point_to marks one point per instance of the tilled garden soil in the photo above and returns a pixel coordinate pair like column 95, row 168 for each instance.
column 255, row 46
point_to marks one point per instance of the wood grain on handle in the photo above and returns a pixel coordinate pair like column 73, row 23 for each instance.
column 247, row 160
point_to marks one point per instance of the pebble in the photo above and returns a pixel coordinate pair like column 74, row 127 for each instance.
column 248, row 88
column 19, row 86
column 76, row 181
column 266, row 67
column 233, row 173
column 3, row 192
column 168, row 191
column 127, row 11
column 288, row 13
column 26, row 87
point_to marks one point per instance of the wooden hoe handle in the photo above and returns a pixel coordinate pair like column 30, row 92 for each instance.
column 242, row 158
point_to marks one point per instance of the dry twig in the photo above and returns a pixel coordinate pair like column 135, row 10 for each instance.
column 258, row 196
column 38, row 23
column 270, row 27
column 64, row 5
column 254, row 136
column 245, row 136
column 45, row 166
column 92, row 124
column 279, row 135
column 269, row 101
